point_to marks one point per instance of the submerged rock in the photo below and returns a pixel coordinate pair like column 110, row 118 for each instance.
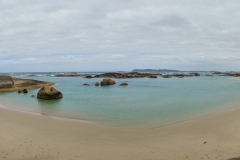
column 48, row 92
column 85, row 84
column 19, row 91
column 107, row 81
column 97, row 84
column 123, row 84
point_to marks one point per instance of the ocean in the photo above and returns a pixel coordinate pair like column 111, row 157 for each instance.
column 145, row 102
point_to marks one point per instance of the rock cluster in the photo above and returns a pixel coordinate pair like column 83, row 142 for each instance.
column 48, row 92
column 126, row 75
column 166, row 76
column 232, row 74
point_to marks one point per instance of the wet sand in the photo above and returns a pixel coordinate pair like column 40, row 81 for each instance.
column 25, row 136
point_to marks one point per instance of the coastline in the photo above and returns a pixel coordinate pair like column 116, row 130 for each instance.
column 27, row 136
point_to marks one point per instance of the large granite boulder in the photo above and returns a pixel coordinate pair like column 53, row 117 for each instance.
column 48, row 92
column 107, row 81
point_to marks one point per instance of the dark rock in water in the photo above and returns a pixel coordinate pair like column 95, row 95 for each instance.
column 97, row 76
column 19, row 91
column 232, row 74
column 68, row 75
column 123, row 84
column 152, row 76
column 85, row 84
column 33, row 96
column 48, row 92
column 194, row 74
column 25, row 91
column 107, row 81
column 126, row 75
column 237, row 158
column 166, row 76
column 88, row 76
column 217, row 73
column 97, row 84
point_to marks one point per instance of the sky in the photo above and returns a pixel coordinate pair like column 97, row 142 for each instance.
column 119, row 35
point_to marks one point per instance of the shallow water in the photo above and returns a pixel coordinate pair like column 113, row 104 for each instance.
column 145, row 102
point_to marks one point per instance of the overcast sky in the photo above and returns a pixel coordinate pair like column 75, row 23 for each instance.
column 108, row 35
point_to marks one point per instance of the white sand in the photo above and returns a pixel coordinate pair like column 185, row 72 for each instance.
column 30, row 137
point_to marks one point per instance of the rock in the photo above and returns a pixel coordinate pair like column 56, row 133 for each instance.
column 152, row 76
column 19, row 91
column 217, row 73
column 126, row 75
column 88, row 76
column 107, row 81
column 232, row 74
column 194, row 74
column 96, row 84
column 25, row 91
column 6, row 82
column 85, row 84
column 123, row 84
column 166, row 76
column 33, row 96
column 48, row 92
column 97, row 76
column 68, row 75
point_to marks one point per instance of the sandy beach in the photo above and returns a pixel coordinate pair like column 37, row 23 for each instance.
column 24, row 136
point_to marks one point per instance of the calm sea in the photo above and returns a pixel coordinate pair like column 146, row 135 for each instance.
column 144, row 103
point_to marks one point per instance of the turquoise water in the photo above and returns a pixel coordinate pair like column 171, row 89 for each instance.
column 145, row 102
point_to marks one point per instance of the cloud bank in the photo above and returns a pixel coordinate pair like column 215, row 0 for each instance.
column 105, row 35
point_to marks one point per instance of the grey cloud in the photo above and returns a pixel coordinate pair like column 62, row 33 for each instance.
column 166, row 34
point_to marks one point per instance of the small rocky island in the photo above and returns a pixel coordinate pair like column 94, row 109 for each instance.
column 8, row 83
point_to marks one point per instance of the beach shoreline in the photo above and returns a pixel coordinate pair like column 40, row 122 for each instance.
column 27, row 136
